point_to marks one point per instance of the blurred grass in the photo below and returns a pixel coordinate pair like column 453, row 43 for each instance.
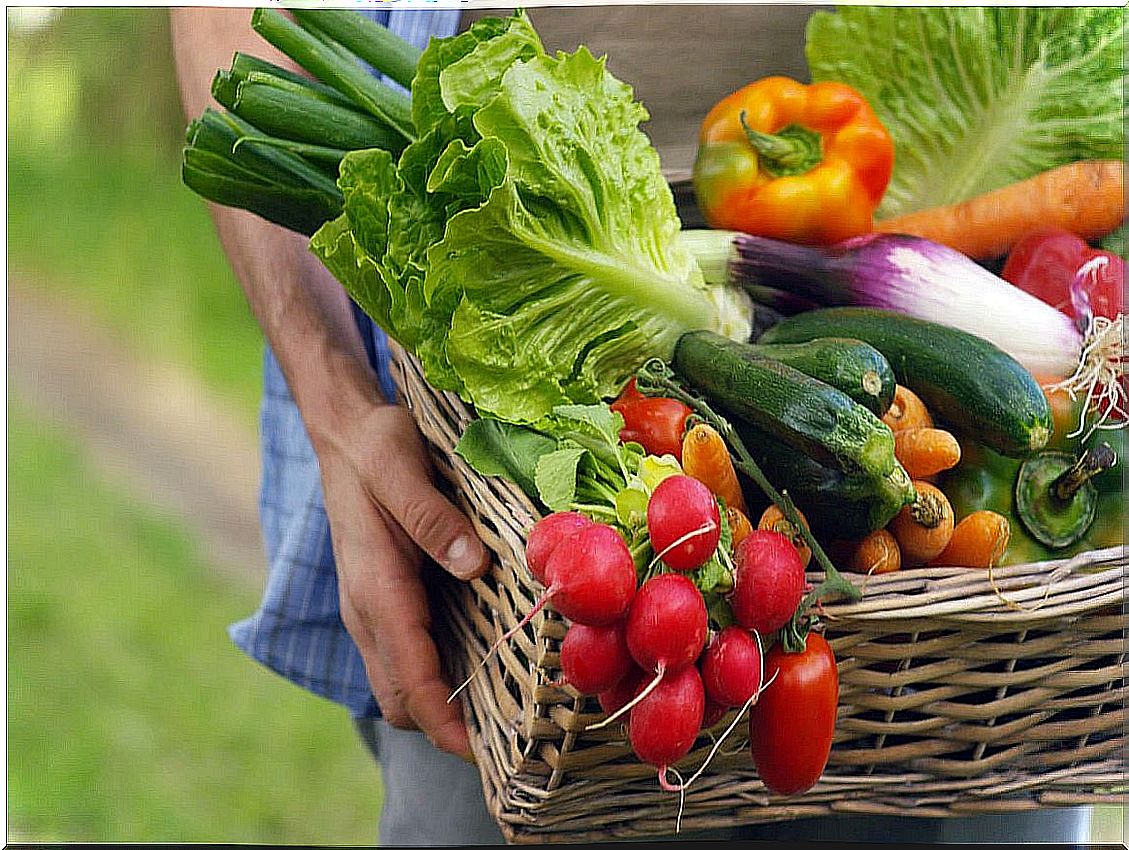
column 96, row 210
column 131, row 716
column 1110, row 825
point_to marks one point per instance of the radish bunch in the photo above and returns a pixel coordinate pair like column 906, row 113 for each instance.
column 640, row 634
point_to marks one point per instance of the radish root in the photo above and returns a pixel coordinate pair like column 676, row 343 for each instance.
column 660, row 671
column 749, row 703
column 545, row 597
column 684, row 786
column 1101, row 366
column 680, row 788
column 689, row 535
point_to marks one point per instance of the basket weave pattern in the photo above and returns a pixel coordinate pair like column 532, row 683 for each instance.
column 960, row 692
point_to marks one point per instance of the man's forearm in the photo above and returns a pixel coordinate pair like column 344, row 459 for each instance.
column 303, row 311
column 306, row 317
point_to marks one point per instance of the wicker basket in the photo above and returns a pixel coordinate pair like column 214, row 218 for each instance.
column 959, row 694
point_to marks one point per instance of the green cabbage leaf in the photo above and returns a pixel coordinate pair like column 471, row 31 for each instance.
column 976, row 97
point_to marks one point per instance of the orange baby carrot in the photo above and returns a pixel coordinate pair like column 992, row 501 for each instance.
column 739, row 525
column 907, row 411
column 979, row 540
column 773, row 519
column 706, row 458
column 923, row 452
column 876, row 553
column 923, row 529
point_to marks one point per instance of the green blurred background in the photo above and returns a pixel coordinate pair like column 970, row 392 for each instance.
column 131, row 717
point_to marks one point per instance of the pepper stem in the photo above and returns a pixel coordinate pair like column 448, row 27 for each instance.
column 1090, row 463
column 794, row 150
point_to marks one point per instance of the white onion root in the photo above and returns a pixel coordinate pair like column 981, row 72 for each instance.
column 1099, row 377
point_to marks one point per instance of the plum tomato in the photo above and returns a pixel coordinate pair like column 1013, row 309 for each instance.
column 792, row 723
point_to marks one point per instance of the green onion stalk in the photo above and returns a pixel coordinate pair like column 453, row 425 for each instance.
column 276, row 147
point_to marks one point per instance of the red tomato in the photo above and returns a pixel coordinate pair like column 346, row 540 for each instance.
column 792, row 723
column 656, row 423
column 1044, row 264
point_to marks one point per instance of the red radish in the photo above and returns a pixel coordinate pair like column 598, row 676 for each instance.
column 666, row 623
column 666, row 630
column 768, row 584
column 684, row 522
column 732, row 667
column 595, row 658
column 620, row 694
column 546, row 533
column 591, row 577
column 713, row 713
column 665, row 722
column 591, row 580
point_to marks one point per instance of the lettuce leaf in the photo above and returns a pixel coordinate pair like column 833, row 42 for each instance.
column 978, row 97
column 571, row 273
column 510, row 451
column 526, row 246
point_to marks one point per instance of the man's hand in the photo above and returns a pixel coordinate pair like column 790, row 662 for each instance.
column 383, row 508
column 386, row 518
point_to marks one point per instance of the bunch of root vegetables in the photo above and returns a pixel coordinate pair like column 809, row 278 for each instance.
column 647, row 652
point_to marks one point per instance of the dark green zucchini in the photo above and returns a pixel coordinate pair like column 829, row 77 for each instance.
column 851, row 365
column 804, row 412
column 962, row 378
column 837, row 505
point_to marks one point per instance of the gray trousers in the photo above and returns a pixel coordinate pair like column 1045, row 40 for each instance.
column 434, row 799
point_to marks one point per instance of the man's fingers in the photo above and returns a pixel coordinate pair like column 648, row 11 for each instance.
column 437, row 527
column 384, row 688
column 441, row 721
column 411, row 660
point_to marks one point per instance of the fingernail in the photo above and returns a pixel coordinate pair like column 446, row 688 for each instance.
column 464, row 556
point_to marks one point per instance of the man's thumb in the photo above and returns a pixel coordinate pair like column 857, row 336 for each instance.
column 441, row 530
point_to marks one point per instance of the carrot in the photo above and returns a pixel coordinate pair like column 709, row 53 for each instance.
column 739, row 525
column 979, row 540
column 1085, row 197
column 923, row 452
column 706, row 458
column 773, row 519
column 907, row 410
column 923, row 529
column 878, row 552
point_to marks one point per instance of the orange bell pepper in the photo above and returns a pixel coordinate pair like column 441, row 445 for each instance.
column 801, row 163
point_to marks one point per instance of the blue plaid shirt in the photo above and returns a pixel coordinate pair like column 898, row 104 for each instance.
column 297, row 630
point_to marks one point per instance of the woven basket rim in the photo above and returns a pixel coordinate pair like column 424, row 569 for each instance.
column 1056, row 624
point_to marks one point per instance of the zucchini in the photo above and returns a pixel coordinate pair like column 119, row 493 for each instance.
column 851, row 365
column 837, row 505
column 804, row 412
column 962, row 378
